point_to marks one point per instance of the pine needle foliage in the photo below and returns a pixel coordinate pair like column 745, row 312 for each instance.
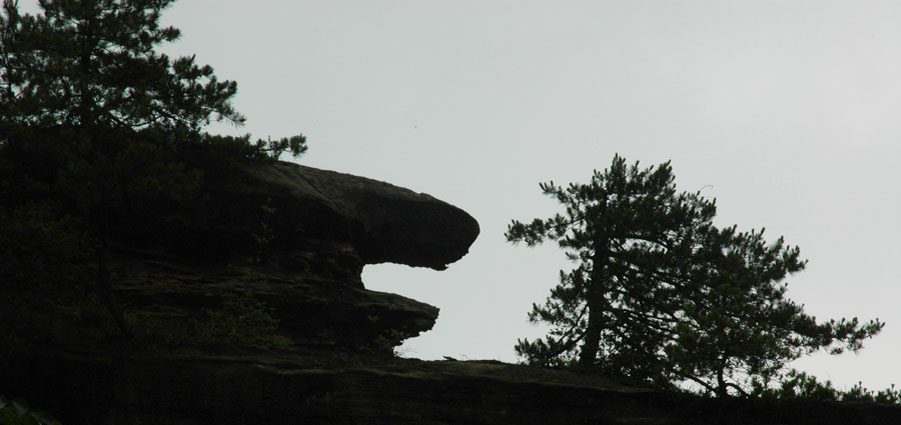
column 661, row 295
column 96, row 118
column 93, row 63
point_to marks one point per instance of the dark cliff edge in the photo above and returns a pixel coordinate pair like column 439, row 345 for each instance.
column 292, row 240
column 384, row 223
column 287, row 389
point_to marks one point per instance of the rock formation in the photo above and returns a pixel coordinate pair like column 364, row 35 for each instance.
column 297, row 238
column 381, row 222
column 323, row 227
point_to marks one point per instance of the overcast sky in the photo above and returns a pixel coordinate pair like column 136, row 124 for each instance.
column 788, row 110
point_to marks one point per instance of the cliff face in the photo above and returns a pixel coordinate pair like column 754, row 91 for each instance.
column 259, row 269
column 292, row 241
column 312, row 231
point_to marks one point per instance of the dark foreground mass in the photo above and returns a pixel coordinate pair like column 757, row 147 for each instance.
column 243, row 328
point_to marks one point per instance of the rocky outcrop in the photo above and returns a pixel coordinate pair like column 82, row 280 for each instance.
column 311, row 310
column 299, row 238
column 382, row 222
column 260, row 267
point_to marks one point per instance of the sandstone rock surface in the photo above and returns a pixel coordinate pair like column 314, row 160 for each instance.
column 318, row 229
column 383, row 222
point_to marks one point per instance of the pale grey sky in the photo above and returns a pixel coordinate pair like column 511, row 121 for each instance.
column 788, row 109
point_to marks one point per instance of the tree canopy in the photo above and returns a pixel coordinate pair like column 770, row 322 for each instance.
column 93, row 66
column 99, row 125
column 93, row 63
column 661, row 294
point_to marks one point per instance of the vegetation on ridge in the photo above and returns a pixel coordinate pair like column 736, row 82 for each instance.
column 102, row 136
column 661, row 295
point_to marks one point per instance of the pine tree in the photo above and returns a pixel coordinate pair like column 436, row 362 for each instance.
column 660, row 294
column 92, row 65
column 93, row 114
column 625, row 229
column 737, row 327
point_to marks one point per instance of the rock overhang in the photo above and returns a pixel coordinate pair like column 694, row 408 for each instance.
column 296, row 238
column 383, row 222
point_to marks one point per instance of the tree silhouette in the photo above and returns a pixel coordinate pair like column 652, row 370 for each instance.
column 94, row 115
column 92, row 65
column 662, row 295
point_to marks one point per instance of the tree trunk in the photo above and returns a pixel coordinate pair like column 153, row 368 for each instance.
column 596, row 299
column 722, row 390
column 591, row 345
